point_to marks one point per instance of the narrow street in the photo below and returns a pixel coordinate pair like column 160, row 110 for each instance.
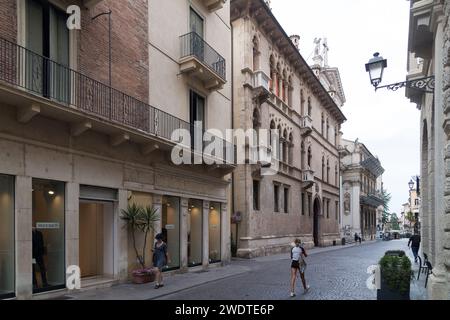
column 333, row 275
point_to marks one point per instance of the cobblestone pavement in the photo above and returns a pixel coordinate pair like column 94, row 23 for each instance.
column 332, row 275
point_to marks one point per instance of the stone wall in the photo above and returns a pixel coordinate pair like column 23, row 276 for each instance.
column 8, row 20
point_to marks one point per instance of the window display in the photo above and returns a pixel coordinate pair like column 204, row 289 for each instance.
column 6, row 236
column 214, row 233
column 48, row 235
column 171, row 229
column 195, row 224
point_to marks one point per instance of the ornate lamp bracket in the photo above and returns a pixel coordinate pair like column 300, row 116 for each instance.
column 422, row 84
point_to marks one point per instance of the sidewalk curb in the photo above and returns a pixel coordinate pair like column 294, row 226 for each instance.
column 198, row 285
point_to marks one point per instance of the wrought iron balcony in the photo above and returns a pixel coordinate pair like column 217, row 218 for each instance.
column 74, row 96
column 201, row 61
column 214, row 5
column 306, row 125
column 307, row 178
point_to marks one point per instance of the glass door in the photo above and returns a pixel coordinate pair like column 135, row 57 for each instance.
column 197, row 30
column 48, row 235
column 171, row 230
column 214, row 233
column 195, row 225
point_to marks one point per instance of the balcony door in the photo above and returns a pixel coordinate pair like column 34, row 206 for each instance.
column 197, row 26
column 47, row 57
column 197, row 113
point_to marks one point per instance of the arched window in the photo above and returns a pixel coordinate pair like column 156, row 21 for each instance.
column 284, row 86
column 281, row 144
column 302, row 103
column 309, row 107
column 328, row 171
column 328, row 128
column 309, row 158
column 285, row 146
column 256, row 126
column 290, row 91
column 279, row 82
column 291, row 149
column 272, row 127
column 302, row 156
column 256, row 54
column 336, row 133
column 336, row 177
column 323, row 124
column 323, row 168
column 273, row 74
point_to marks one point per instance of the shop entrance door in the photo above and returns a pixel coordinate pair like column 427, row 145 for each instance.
column 96, row 239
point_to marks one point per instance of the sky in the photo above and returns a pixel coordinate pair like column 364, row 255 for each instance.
column 385, row 121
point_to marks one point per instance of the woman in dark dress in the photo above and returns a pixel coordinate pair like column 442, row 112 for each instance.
column 160, row 259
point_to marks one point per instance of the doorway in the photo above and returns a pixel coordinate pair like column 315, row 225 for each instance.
column 317, row 209
column 96, row 239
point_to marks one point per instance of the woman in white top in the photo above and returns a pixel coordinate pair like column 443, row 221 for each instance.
column 298, row 264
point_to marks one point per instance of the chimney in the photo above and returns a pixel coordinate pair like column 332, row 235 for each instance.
column 295, row 40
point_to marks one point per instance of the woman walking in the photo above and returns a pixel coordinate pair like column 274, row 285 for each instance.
column 298, row 264
column 160, row 259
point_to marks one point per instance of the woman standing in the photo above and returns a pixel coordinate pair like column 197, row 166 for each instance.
column 298, row 264
column 160, row 259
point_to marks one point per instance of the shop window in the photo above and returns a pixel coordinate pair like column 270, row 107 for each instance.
column 48, row 235
column 275, row 198
column 215, row 233
column 195, row 232
column 6, row 237
column 286, row 200
column 171, row 229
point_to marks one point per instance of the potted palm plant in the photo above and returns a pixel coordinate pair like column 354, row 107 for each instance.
column 140, row 219
column 396, row 275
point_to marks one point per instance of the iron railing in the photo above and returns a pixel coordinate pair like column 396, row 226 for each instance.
column 193, row 45
column 39, row 75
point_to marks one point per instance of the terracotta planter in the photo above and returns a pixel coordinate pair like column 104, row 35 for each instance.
column 143, row 278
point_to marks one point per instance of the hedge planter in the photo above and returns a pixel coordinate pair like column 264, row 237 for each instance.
column 396, row 274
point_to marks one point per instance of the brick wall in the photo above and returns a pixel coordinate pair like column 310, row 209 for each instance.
column 8, row 20
column 129, row 46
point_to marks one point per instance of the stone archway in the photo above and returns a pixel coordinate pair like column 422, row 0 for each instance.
column 317, row 209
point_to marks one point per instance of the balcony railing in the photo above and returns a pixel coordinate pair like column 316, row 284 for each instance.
column 193, row 45
column 41, row 76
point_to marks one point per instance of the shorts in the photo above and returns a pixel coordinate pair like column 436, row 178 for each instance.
column 301, row 266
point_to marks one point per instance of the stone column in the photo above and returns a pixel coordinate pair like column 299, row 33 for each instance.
column 225, row 241
column 205, row 236
column 121, row 238
column 23, row 232
column 72, row 218
column 184, row 216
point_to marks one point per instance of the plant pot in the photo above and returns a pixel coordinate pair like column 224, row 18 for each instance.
column 143, row 278
column 385, row 293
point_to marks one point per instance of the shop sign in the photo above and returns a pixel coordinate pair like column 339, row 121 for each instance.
column 47, row 225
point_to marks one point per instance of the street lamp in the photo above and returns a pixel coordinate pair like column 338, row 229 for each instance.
column 375, row 67
column 411, row 185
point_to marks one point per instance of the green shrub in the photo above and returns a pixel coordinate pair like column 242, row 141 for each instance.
column 396, row 271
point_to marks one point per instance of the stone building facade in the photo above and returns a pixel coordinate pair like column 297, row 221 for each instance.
column 75, row 152
column 274, row 88
column 429, row 55
column 361, row 192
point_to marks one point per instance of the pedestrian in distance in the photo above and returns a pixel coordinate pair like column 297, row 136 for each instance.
column 414, row 244
column 160, row 259
column 298, row 266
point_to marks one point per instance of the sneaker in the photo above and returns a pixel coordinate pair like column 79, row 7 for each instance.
column 157, row 286
column 307, row 289
column 292, row 294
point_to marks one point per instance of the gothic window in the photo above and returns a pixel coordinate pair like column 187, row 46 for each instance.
column 336, row 133
column 336, row 177
column 291, row 148
column 273, row 74
column 328, row 170
column 309, row 157
column 323, row 168
column 309, row 107
column 323, row 125
column 256, row 54
column 302, row 103
column 302, row 156
column 328, row 128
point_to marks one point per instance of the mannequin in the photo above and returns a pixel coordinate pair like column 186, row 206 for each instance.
column 38, row 257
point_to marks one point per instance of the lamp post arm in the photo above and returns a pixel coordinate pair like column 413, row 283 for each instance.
column 423, row 84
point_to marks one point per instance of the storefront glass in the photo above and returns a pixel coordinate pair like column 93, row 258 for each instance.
column 6, row 236
column 195, row 224
column 48, row 235
column 171, row 229
column 214, row 233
